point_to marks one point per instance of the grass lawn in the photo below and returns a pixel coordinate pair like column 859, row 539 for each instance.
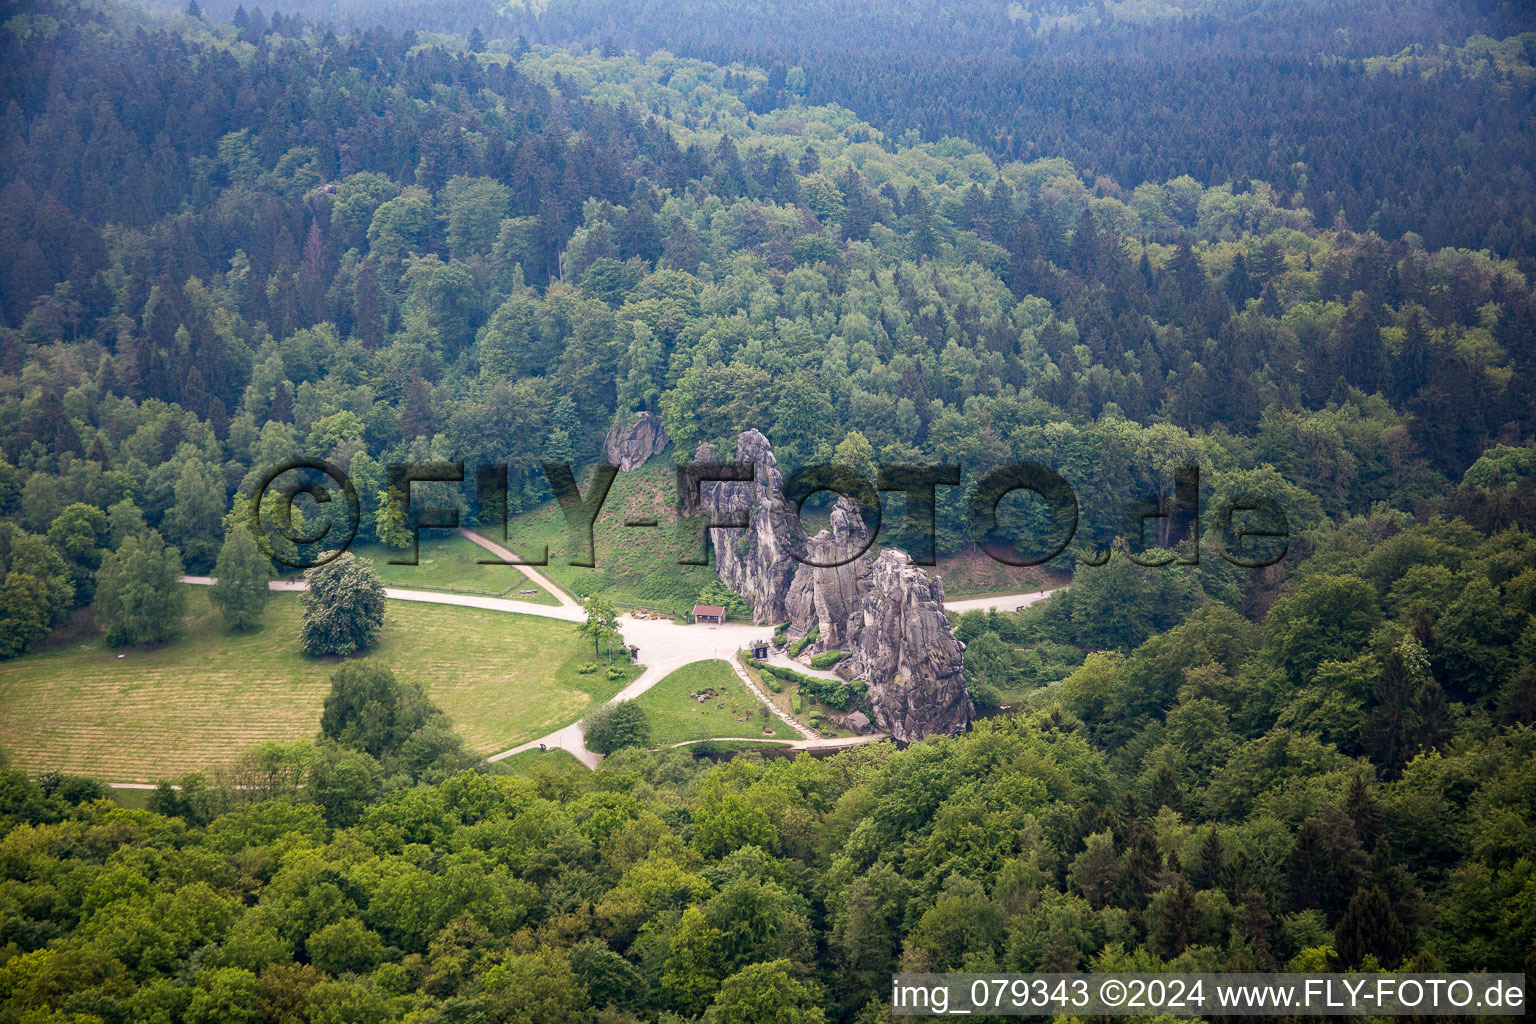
column 533, row 762
column 972, row 573
column 676, row 717
column 636, row 566
column 145, row 714
column 450, row 562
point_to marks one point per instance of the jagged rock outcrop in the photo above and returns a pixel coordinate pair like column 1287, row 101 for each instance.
column 759, row 562
column 689, row 498
column 906, row 653
column 831, row 597
column 886, row 612
column 631, row 447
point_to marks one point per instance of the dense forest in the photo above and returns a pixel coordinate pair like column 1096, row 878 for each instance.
column 1349, row 784
column 1304, row 269
column 1290, row 93
column 239, row 246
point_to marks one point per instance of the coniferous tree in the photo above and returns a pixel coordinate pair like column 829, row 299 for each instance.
column 1371, row 927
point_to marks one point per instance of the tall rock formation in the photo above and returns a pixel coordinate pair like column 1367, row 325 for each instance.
column 759, row 562
column 831, row 597
column 631, row 447
column 906, row 653
column 886, row 612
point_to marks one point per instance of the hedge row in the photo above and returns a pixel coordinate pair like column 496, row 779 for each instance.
column 832, row 693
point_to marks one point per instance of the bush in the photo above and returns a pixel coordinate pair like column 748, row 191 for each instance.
column 611, row 727
column 735, row 605
column 834, row 694
column 794, row 703
column 587, row 669
column 826, row 659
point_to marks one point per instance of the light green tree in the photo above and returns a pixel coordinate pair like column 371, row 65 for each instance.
column 639, row 387
column 766, row 993
column 601, row 626
column 193, row 521
column 855, row 452
column 476, row 208
column 242, row 572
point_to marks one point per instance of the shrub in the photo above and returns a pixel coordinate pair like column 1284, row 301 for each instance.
column 794, row 703
column 826, row 659
column 804, row 642
column 611, row 727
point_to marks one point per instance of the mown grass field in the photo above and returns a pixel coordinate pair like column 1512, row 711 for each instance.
column 972, row 573
column 536, row 762
column 450, row 562
column 676, row 717
column 144, row 714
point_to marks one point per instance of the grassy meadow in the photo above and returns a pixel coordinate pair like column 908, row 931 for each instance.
column 143, row 714
column 677, row 717
column 636, row 566
column 450, row 563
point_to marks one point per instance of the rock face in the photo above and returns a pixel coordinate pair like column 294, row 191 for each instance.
column 630, row 448
column 830, row 597
column 886, row 612
column 759, row 562
column 904, row 650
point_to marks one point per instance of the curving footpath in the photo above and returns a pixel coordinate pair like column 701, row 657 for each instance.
column 662, row 647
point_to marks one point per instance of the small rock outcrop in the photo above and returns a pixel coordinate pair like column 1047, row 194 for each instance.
column 830, row 597
column 631, row 447
column 759, row 562
column 858, row 723
column 906, row 653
